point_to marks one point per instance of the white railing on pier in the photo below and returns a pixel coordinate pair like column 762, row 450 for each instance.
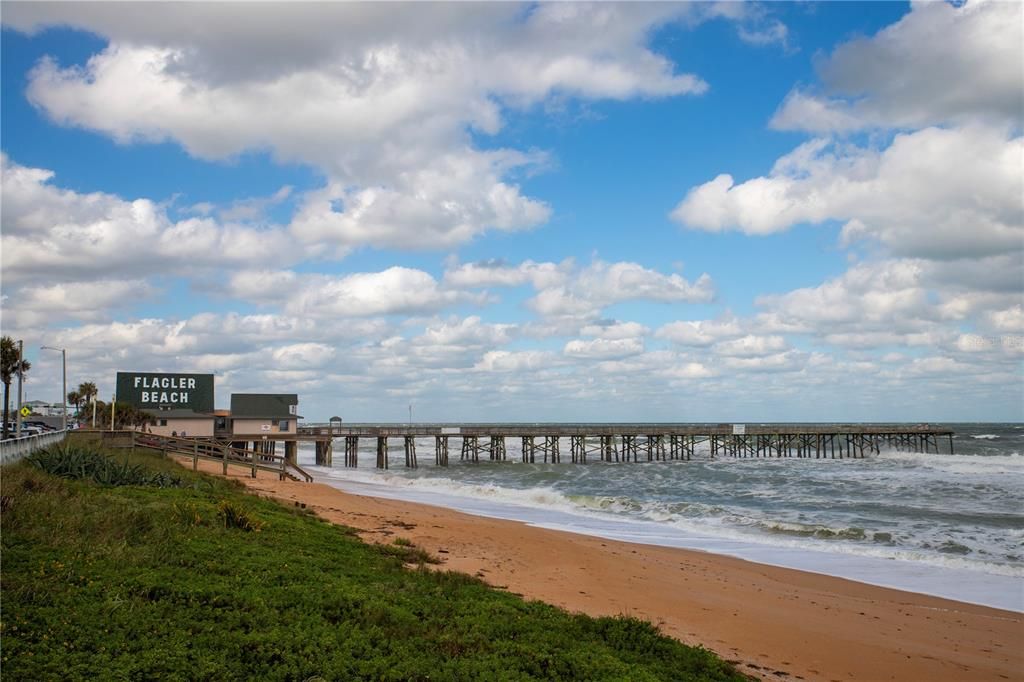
column 13, row 449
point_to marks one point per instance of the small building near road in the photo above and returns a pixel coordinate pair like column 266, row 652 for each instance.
column 172, row 422
column 261, row 414
column 45, row 409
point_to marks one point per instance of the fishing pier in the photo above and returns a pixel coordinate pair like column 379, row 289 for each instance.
column 580, row 443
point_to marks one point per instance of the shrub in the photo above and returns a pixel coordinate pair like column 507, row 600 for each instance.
column 237, row 516
column 187, row 513
column 408, row 553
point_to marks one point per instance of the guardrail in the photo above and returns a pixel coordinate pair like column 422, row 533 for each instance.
column 13, row 449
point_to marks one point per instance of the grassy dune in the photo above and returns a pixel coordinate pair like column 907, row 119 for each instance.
column 183, row 576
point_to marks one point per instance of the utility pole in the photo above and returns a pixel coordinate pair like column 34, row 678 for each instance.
column 113, row 408
column 64, row 387
column 410, row 414
column 64, row 382
column 21, row 379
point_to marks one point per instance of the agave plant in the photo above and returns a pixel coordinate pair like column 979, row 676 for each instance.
column 71, row 461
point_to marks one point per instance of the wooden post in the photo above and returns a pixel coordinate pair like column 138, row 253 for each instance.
column 496, row 448
column 195, row 456
column 551, row 443
column 410, row 452
column 657, row 442
column 441, row 450
column 629, row 448
column 351, row 451
column 471, row 448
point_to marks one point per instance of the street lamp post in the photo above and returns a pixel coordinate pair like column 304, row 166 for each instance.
column 21, row 380
column 64, row 382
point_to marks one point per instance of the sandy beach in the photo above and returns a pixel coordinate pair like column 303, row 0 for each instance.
column 774, row 623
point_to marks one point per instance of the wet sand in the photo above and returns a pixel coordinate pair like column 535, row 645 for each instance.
column 774, row 623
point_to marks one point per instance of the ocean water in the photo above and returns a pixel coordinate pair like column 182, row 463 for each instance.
column 949, row 525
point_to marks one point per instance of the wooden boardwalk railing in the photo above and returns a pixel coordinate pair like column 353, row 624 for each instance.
column 208, row 449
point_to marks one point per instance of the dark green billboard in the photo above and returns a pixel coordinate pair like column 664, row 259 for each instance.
column 159, row 391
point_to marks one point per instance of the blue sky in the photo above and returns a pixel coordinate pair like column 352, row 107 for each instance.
column 537, row 212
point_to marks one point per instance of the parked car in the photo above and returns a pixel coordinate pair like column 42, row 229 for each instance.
column 12, row 429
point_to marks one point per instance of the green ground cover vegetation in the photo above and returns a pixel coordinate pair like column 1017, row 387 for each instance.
column 135, row 568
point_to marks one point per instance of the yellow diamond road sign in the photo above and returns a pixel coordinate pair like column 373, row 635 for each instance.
column 25, row 411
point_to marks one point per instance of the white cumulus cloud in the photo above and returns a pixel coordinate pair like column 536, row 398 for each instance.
column 941, row 63
column 603, row 348
column 940, row 193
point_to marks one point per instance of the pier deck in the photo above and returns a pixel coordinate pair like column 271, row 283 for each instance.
column 627, row 442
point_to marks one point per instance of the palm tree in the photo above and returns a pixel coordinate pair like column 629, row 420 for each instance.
column 141, row 419
column 126, row 416
column 9, row 368
column 87, row 392
column 75, row 398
